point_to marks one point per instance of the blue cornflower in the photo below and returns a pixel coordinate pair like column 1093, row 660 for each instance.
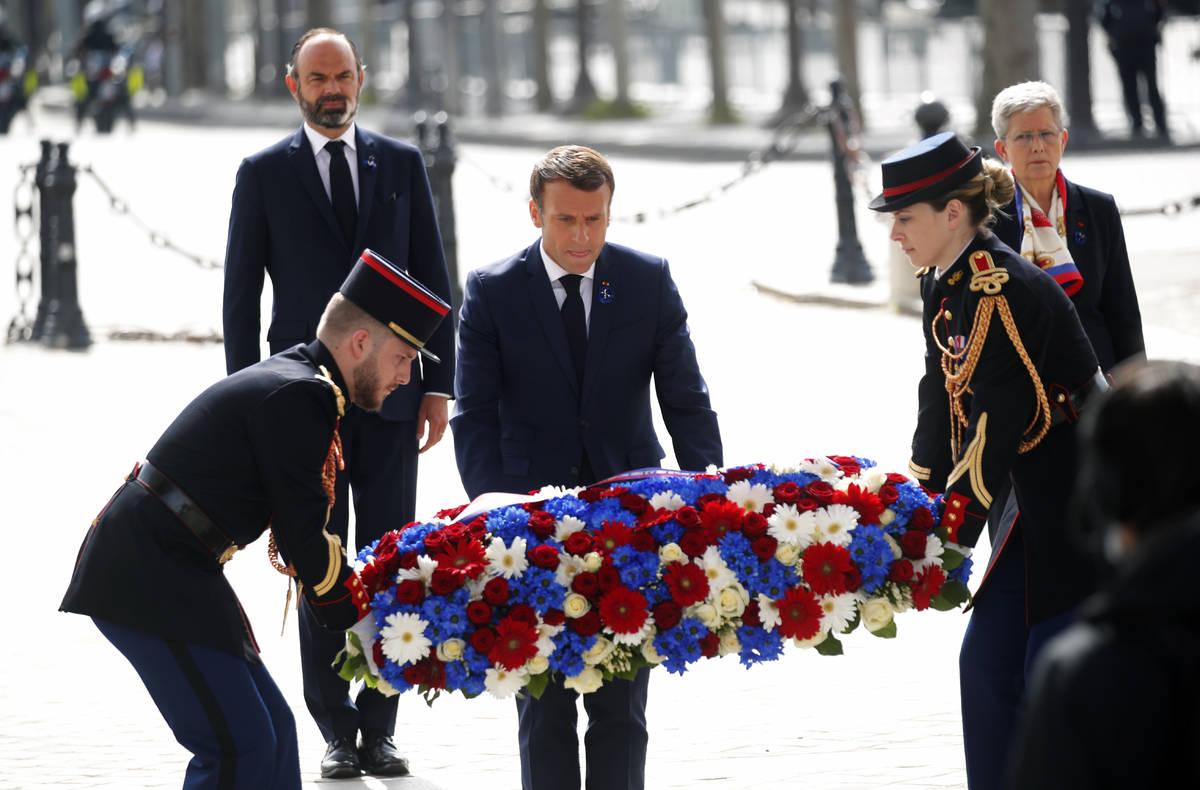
column 637, row 569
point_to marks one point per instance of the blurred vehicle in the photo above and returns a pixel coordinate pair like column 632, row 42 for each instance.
column 104, row 83
column 17, row 84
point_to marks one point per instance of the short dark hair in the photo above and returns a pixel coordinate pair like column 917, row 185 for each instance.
column 578, row 165
column 321, row 31
column 1137, row 445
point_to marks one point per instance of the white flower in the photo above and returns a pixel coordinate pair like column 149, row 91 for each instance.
column 568, row 567
column 385, row 688
column 833, row 524
column 637, row 636
column 814, row 640
column 823, row 468
column 887, row 517
column 877, row 613
column 837, row 611
column 404, row 638
column 705, row 613
column 451, row 650
column 788, row 525
column 422, row 573
column 750, row 497
column 768, row 613
column 600, row 650
column 537, row 665
column 576, row 605
column 545, row 641
column 718, row 573
column 788, row 554
column 507, row 561
column 567, row 526
column 933, row 554
column 875, row 480
column 554, row 492
column 592, row 561
column 502, row 683
column 897, row 552
column 671, row 553
column 667, row 500
column 650, row 653
column 587, row 681
column 731, row 601
column 729, row 642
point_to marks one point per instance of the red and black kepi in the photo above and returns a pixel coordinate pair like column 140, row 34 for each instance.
column 925, row 170
column 395, row 299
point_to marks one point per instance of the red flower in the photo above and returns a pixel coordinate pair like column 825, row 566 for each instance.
column 800, row 614
column 495, row 591
column 463, row 554
column 849, row 465
column 643, row 541
column 377, row 653
column 373, row 577
column 928, row 584
column 820, row 491
column 755, row 525
column 693, row 542
column 585, row 583
column 888, row 494
column 446, row 580
column 408, row 560
column 478, row 612
column 515, row 643
column 853, row 579
column 861, row 499
column 901, row 571
column 896, row 479
column 544, row 556
column 687, row 582
column 709, row 644
column 483, row 640
column 807, row 503
column 608, row 578
column 787, row 492
column 623, row 610
column 655, row 516
column 687, row 517
column 721, row 517
column 667, row 614
column 578, row 543
column 912, row 543
column 750, row 615
column 434, row 542
column 764, row 547
column 921, row 519
column 825, row 568
column 590, row 495
column 451, row 513
column 541, row 524
column 635, row 503
column 426, row 672
column 731, row 476
column 554, row 617
column 611, row 535
column 410, row 591
column 707, row 499
column 523, row 612
column 478, row 527
column 387, row 553
column 586, row 625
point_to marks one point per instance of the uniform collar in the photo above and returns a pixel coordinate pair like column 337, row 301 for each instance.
column 958, row 275
column 321, row 356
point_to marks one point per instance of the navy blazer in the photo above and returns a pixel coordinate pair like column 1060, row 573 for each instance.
column 282, row 223
column 520, row 420
column 1107, row 302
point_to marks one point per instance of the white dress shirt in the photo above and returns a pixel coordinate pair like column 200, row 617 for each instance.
column 555, row 273
column 317, row 141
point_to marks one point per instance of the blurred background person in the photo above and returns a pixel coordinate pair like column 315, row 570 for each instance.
column 1134, row 32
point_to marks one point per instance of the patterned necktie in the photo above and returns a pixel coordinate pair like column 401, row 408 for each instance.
column 341, row 190
column 575, row 322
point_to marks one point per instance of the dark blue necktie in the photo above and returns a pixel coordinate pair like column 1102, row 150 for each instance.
column 341, row 190
column 575, row 322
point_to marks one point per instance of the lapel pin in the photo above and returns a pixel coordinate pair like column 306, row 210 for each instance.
column 369, row 162
column 606, row 292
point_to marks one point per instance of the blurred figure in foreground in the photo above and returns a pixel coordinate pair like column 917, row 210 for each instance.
column 1122, row 681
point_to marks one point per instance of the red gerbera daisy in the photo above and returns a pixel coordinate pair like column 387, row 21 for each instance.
column 623, row 610
column 687, row 582
column 826, row 568
column 465, row 554
column 515, row 643
column 868, row 505
column 928, row 584
column 719, row 517
column 799, row 614
column 611, row 535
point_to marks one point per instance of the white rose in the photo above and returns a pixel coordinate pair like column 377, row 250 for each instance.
column 650, row 653
column 877, row 613
column 586, row 681
column 895, row 547
column 671, row 553
column 731, row 601
column 451, row 650
column 707, row 614
column 787, row 553
column 598, row 651
column 537, row 665
column 385, row 688
column 576, row 605
column 875, row 480
column 812, row 641
column 592, row 562
column 729, row 642
column 887, row 517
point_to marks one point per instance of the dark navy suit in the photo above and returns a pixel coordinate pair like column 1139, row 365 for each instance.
column 523, row 421
column 282, row 224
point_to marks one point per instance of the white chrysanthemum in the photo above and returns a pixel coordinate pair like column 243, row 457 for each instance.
column 404, row 639
column 545, row 640
column 671, row 553
column 554, row 492
column 933, row 554
column 600, row 650
column 576, row 605
column 711, row 469
column 587, row 681
column 502, row 683
column 647, row 630
column 423, row 572
column 507, row 561
column 789, row 525
column 667, row 500
column 537, row 665
column 768, row 613
column 750, row 497
column 823, row 468
column 568, row 567
column 729, row 642
column 718, row 573
column 833, row 524
column 837, row 611
column 877, row 613
column 451, row 650
column 567, row 526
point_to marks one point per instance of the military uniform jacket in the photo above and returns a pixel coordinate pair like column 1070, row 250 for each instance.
column 1002, row 409
column 249, row 451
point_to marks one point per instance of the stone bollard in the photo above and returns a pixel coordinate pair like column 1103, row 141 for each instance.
column 849, row 264
column 59, row 322
column 437, row 147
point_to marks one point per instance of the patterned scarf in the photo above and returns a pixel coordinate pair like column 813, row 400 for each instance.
column 1044, row 236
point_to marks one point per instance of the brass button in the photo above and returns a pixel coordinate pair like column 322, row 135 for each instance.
column 1061, row 397
column 947, row 314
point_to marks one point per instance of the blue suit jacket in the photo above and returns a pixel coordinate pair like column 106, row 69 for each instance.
column 520, row 419
column 282, row 224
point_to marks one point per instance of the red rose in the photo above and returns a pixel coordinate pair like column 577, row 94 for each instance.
column 434, row 541
column 687, row 517
column 477, row 529
column 921, row 519
column 643, row 541
column 667, row 614
column 454, row 532
column 764, row 547
column 544, row 556
column 896, row 479
column 901, row 571
column 709, row 644
column 483, row 640
column 446, row 580
column 820, row 491
column 635, row 503
column 590, row 495
column 805, row 504
column 888, row 495
column 849, row 465
column 478, row 612
column 541, row 524
column 408, row 560
column 853, row 580
column 417, row 674
column 736, row 475
column 768, row 509
column 693, row 542
column 709, row 499
column 750, row 615
column 587, row 625
column 616, row 492
column 755, row 526
column 585, row 583
column 377, row 653
column 554, row 617
column 523, row 612
column 787, row 492
column 912, row 543
column 608, row 578
column 410, row 591
column 578, row 543
column 373, row 578
column 495, row 591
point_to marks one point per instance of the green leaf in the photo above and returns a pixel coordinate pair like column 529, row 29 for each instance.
column 850, row 626
column 953, row 595
column 830, row 647
column 951, row 559
column 537, row 684
column 429, row 693
column 887, row 632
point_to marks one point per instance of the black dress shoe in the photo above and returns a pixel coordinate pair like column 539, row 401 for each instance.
column 379, row 756
column 340, row 760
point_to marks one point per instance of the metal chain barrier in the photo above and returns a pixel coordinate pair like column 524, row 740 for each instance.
column 1168, row 209
column 20, row 328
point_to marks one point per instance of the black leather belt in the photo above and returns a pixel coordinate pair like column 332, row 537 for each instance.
column 196, row 520
column 1068, row 404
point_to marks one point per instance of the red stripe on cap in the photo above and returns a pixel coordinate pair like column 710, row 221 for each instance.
column 408, row 287
column 923, row 182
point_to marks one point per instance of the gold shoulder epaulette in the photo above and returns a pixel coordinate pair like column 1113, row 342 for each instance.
column 986, row 276
column 337, row 391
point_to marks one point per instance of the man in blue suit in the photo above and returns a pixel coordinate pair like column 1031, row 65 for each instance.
column 557, row 348
column 303, row 211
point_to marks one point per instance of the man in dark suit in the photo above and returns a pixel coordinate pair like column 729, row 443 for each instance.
column 557, row 348
column 303, row 210
column 257, row 450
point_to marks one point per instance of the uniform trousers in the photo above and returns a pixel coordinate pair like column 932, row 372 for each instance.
column 614, row 744
column 381, row 472
column 225, row 710
column 997, row 657
column 1139, row 63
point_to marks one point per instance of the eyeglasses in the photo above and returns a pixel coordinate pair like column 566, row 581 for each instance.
column 1047, row 138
